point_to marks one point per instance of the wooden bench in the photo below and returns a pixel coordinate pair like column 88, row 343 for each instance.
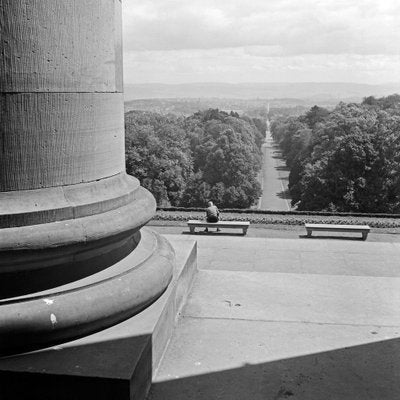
column 363, row 229
column 220, row 224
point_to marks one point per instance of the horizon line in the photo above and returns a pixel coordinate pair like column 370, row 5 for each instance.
column 261, row 82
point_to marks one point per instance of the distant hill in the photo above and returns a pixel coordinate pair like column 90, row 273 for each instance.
column 251, row 107
column 306, row 92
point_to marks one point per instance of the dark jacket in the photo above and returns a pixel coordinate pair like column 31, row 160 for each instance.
column 212, row 214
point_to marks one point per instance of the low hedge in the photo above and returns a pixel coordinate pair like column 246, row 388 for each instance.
column 270, row 212
column 284, row 218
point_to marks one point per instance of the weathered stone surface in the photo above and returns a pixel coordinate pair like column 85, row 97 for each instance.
column 35, row 257
column 60, row 46
column 61, row 96
column 54, row 139
column 40, row 206
column 115, row 363
column 69, row 214
column 272, row 335
column 64, row 313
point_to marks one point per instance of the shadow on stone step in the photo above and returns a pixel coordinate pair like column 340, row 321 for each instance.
column 213, row 233
column 357, row 238
column 364, row 372
column 110, row 368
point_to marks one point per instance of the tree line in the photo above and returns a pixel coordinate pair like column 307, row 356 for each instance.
column 187, row 161
column 346, row 159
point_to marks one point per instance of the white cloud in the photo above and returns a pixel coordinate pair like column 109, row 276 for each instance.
column 307, row 26
column 247, row 64
column 231, row 40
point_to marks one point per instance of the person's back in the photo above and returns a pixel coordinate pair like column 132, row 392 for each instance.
column 212, row 214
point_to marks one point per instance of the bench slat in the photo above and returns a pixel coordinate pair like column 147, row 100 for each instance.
column 364, row 229
column 227, row 223
column 336, row 226
column 220, row 224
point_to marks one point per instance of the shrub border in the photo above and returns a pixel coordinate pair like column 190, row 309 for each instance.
column 294, row 213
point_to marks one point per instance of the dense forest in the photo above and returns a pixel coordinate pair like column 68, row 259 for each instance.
column 346, row 159
column 187, row 161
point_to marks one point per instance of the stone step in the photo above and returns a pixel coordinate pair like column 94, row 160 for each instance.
column 265, row 335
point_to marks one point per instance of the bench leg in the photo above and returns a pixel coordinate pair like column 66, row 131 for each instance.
column 364, row 235
column 309, row 232
column 191, row 229
column 244, row 231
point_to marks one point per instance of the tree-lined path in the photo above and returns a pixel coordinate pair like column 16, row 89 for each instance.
column 274, row 178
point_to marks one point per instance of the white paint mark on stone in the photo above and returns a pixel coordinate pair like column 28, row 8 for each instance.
column 48, row 301
column 197, row 363
column 53, row 319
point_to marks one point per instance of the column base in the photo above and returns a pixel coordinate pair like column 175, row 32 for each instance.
column 90, row 304
column 116, row 363
column 52, row 236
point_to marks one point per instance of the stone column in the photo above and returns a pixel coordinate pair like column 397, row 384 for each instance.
column 72, row 257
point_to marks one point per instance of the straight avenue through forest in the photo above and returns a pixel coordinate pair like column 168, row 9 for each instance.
column 274, row 177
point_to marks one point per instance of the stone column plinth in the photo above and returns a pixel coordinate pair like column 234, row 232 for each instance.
column 72, row 257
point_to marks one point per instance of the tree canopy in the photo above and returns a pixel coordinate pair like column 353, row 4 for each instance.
column 157, row 153
column 210, row 155
column 347, row 159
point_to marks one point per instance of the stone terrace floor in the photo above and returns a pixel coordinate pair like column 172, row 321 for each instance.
column 275, row 231
column 274, row 315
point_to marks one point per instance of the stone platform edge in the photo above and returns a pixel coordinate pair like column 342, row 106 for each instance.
column 118, row 362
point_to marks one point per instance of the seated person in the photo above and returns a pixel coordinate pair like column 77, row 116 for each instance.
column 212, row 214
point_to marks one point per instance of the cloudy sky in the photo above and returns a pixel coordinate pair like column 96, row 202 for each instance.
column 177, row 41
